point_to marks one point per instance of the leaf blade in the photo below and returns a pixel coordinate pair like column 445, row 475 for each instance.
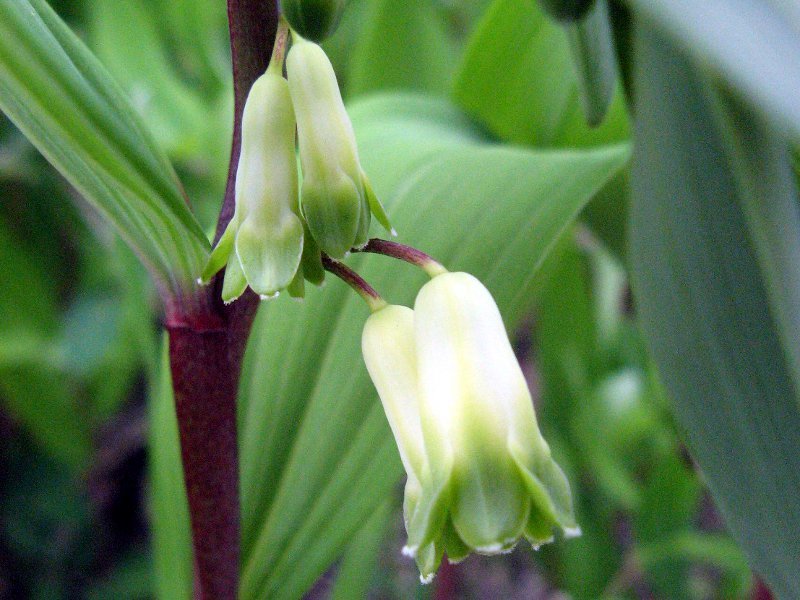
column 705, row 310
column 748, row 42
column 62, row 99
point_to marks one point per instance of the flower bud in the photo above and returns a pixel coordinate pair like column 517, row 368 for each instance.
column 263, row 242
column 336, row 198
column 313, row 19
column 480, row 475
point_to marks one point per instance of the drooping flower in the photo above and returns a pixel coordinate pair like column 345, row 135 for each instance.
column 263, row 242
column 336, row 197
column 480, row 474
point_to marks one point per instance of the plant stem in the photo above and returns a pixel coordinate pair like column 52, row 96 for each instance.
column 206, row 347
column 279, row 47
column 355, row 281
column 404, row 253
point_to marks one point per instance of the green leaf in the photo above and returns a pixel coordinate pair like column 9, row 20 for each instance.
column 752, row 44
column 714, row 549
column 33, row 388
column 592, row 44
column 768, row 195
column 402, row 47
column 517, row 78
column 174, row 111
column 358, row 565
column 62, row 99
column 706, row 309
column 172, row 538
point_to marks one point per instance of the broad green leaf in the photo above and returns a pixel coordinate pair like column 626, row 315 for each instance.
column 706, row 308
column 754, row 45
column 62, row 99
column 517, row 78
column 317, row 456
column 358, row 565
column 402, row 47
column 769, row 197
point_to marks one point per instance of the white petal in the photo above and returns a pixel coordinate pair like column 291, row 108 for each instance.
column 468, row 372
column 389, row 353
column 325, row 133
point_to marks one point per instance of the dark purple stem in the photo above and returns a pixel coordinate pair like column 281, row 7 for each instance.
column 206, row 346
column 354, row 280
column 404, row 253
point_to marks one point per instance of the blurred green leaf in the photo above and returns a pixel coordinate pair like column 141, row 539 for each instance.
column 196, row 34
column 671, row 496
column 89, row 327
column 592, row 45
column 749, row 43
column 58, row 94
column 174, row 112
column 32, row 386
column 567, row 361
column 518, row 80
column 714, row 549
column 705, row 307
column 40, row 397
column 402, row 46
column 27, row 298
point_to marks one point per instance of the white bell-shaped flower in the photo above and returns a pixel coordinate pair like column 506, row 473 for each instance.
column 336, row 196
column 263, row 242
column 480, row 475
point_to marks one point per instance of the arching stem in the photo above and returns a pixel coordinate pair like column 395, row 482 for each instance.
column 355, row 281
column 404, row 253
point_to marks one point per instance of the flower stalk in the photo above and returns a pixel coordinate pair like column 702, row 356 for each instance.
column 405, row 253
column 355, row 281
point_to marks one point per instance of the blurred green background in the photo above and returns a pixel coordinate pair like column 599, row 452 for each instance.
column 80, row 337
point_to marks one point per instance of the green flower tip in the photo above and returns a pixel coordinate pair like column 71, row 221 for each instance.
column 313, row 19
column 480, row 475
column 337, row 200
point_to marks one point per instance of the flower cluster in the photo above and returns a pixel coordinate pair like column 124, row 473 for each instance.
column 480, row 475
column 275, row 238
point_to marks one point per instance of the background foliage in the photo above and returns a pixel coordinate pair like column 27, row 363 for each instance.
column 470, row 120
